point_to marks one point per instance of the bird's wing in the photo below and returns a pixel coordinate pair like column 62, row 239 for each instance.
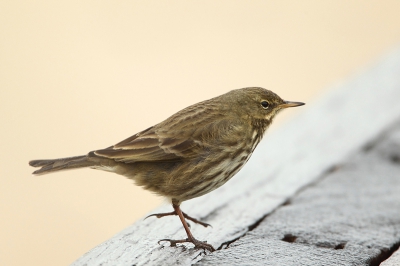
column 150, row 146
column 187, row 134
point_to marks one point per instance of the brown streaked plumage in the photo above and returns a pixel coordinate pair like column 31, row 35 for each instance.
column 189, row 154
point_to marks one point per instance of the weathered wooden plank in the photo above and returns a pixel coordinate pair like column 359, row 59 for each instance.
column 350, row 217
column 285, row 161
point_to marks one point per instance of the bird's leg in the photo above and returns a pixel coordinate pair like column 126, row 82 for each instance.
column 190, row 239
column 159, row 215
column 195, row 220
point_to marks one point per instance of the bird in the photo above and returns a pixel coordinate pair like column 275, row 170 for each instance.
column 191, row 153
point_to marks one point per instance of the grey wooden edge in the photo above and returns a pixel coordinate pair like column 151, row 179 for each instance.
column 351, row 216
column 295, row 155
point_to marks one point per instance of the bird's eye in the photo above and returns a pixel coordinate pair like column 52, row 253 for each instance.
column 265, row 104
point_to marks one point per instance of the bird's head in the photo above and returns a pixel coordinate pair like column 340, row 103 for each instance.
column 258, row 103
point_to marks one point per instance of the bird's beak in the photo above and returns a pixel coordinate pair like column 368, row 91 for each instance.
column 287, row 104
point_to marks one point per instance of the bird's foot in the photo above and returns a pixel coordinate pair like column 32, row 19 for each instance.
column 160, row 215
column 197, row 244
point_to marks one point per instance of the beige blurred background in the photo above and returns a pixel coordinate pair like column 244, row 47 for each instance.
column 82, row 75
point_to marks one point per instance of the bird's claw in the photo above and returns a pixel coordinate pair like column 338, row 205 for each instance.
column 197, row 244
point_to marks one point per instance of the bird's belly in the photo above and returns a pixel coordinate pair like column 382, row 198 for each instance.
column 185, row 180
column 215, row 177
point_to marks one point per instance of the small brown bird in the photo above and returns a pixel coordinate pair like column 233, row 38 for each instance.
column 189, row 154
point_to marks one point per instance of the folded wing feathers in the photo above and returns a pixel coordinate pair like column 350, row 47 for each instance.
column 153, row 144
column 146, row 148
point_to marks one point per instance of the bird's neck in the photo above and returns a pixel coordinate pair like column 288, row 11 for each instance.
column 260, row 125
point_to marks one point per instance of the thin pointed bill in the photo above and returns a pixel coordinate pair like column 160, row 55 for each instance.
column 291, row 104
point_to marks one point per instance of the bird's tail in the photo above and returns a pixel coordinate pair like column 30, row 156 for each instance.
column 53, row 165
